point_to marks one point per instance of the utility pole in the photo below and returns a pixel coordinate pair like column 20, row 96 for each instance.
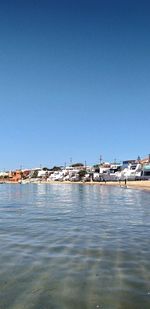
column 100, row 159
column 71, row 161
column 149, row 158
column 100, row 162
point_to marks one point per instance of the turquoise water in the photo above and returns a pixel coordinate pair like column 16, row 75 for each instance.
column 74, row 246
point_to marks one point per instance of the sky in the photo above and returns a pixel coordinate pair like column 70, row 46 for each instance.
column 74, row 81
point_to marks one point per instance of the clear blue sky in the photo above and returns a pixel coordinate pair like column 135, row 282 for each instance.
column 74, row 81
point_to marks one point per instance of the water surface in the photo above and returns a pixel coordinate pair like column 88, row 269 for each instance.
column 74, row 246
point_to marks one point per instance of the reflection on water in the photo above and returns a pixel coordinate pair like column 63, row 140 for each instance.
column 74, row 246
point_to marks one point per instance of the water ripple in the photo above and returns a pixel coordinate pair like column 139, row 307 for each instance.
column 73, row 246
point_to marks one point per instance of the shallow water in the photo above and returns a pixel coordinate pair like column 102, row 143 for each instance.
column 74, row 246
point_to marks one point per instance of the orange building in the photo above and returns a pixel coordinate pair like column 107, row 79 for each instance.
column 15, row 176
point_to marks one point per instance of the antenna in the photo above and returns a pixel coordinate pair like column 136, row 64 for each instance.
column 100, row 159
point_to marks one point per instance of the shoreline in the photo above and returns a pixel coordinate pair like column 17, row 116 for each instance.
column 141, row 185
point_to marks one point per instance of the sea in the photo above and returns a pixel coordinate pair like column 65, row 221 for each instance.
column 72, row 246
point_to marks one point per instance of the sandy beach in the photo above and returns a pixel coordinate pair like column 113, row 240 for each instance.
column 142, row 185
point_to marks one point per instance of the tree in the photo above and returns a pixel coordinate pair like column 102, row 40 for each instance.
column 82, row 173
column 46, row 169
column 35, row 174
column 77, row 164
column 56, row 168
column 138, row 158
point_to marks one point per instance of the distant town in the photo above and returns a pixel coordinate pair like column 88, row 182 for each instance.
column 136, row 169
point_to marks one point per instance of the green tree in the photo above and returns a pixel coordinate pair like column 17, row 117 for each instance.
column 56, row 168
column 77, row 164
column 35, row 174
column 82, row 173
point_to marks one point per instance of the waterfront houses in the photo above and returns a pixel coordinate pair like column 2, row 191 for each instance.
column 106, row 171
